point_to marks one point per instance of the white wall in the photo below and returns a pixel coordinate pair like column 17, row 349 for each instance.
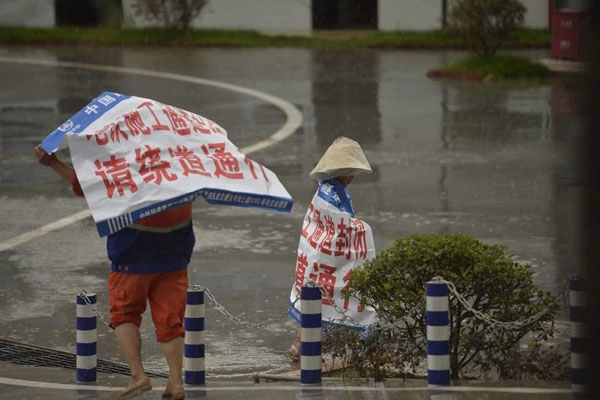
column 261, row 15
column 278, row 16
column 418, row 15
column 537, row 13
column 422, row 15
column 30, row 13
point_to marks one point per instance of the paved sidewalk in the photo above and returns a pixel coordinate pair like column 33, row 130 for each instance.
column 557, row 65
column 26, row 382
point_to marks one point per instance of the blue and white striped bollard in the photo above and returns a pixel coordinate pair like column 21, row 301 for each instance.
column 87, row 337
column 193, row 359
column 579, row 335
column 438, row 334
column 310, row 323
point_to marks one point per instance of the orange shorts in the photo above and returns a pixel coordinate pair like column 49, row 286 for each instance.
column 166, row 292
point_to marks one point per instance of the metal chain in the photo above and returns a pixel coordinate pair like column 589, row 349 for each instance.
column 484, row 317
column 345, row 317
column 88, row 302
column 377, row 326
column 339, row 310
column 223, row 311
column 478, row 314
column 209, row 295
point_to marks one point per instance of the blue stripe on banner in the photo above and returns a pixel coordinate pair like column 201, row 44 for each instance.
column 86, row 375
column 195, row 377
column 86, row 349
column 438, row 377
column 81, row 301
column 84, row 118
column 579, row 345
column 195, row 297
column 120, row 222
column 310, row 293
column 296, row 315
column 310, row 320
column 193, row 324
column 334, row 193
column 438, row 347
column 241, row 199
column 578, row 314
column 310, row 376
column 437, row 318
column 577, row 285
column 294, row 312
column 310, row 349
column 86, row 324
column 577, row 376
column 106, row 227
column 436, row 289
column 193, row 350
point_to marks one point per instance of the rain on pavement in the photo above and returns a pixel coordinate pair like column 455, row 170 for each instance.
column 497, row 162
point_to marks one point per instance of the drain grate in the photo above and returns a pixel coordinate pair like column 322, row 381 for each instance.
column 26, row 354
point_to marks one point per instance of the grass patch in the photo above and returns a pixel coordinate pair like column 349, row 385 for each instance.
column 535, row 37
column 497, row 68
column 108, row 36
column 207, row 38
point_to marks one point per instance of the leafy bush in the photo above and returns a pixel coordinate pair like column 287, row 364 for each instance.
column 533, row 361
column 492, row 283
column 485, row 24
column 177, row 14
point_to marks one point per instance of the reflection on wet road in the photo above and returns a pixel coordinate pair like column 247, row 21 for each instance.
column 494, row 161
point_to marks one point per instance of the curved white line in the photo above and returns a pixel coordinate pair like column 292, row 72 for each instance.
column 293, row 115
column 293, row 122
column 324, row 387
column 53, row 226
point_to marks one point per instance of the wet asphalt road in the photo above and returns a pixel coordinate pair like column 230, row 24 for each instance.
column 497, row 162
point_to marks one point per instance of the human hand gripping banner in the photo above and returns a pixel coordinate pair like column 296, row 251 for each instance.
column 135, row 157
column 332, row 244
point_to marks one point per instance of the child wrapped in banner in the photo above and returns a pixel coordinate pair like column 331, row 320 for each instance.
column 333, row 242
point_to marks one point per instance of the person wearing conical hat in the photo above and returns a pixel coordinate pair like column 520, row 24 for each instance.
column 341, row 162
column 344, row 157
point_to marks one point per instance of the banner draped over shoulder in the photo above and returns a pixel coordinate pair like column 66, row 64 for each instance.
column 332, row 244
column 135, row 157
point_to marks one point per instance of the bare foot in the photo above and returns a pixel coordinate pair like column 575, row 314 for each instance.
column 135, row 388
column 174, row 391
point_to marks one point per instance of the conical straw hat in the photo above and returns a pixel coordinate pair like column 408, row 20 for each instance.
column 343, row 158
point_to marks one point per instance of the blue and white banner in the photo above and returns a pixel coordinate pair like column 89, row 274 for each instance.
column 332, row 244
column 135, row 157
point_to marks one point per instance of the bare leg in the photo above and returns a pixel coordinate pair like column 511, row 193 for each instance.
column 173, row 350
column 294, row 352
column 128, row 335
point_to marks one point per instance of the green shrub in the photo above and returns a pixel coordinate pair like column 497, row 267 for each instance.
column 492, row 282
column 532, row 361
column 485, row 24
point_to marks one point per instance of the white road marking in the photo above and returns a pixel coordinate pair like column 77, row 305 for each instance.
column 53, row 226
column 293, row 122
